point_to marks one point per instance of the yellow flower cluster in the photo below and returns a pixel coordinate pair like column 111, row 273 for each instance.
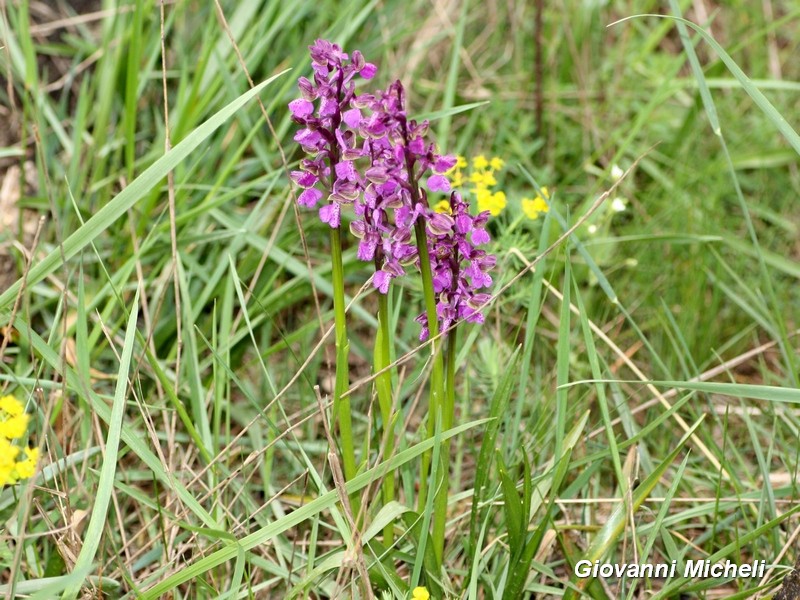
column 533, row 208
column 13, row 425
column 481, row 178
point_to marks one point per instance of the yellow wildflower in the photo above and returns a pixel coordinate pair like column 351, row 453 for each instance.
column 496, row 163
column 483, row 197
column 481, row 175
column 11, row 406
column 420, row 593
column 494, row 203
column 443, row 206
column 480, row 162
column 482, row 178
column 8, row 455
column 26, row 468
column 533, row 208
column 14, row 427
column 476, row 177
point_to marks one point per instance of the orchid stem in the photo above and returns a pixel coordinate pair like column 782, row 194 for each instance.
column 448, row 415
column 383, row 386
column 437, row 369
column 341, row 403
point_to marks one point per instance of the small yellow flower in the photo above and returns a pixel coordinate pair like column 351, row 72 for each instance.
column 14, row 427
column 496, row 163
column 420, row 593
column 482, row 179
column 8, row 455
column 476, row 178
column 494, row 203
column 11, row 406
column 443, row 206
column 482, row 196
column 481, row 176
column 6, row 477
column 533, row 208
column 26, row 468
column 480, row 162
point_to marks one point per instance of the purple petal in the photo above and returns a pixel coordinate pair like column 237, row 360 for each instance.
column 394, row 268
column 442, row 164
column 352, row 117
column 377, row 174
column 301, row 108
column 368, row 71
column 308, row 138
column 309, row 197
column 304, row 178
column 328, row 107
column 463, row 223
column 330, row 214
column 417, row 146
column 480, row 236
column 381, row 281
column 345, row 170
column 442, row 280
column 306, row 88
column 440, row 223
column 366, row 249
column 438, row 183
column 374, row 127
column 358, row 228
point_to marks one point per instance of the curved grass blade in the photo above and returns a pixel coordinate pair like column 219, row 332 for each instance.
column 747, row 84
column 123, row 201
column 105, row 485
column 327, row 500
column 615, row 525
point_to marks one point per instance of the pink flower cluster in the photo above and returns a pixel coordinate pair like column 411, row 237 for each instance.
column 364, row 151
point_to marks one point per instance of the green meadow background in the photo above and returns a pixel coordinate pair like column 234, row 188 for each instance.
column 642, row 379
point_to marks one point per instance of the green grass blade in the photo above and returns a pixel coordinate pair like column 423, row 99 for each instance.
column 752, row 90
column 105, row 485
column 134, row 192
column 615, row 525
column 307, row 511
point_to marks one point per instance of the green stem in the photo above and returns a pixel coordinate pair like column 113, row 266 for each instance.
column 383, row 385
column 341, row 405
column 437, row 369
column 448, row 415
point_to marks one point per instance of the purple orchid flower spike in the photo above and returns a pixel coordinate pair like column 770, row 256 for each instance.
column 460, row 269
column 325, row 135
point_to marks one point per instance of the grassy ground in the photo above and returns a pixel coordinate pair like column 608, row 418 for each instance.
column 167, row 333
